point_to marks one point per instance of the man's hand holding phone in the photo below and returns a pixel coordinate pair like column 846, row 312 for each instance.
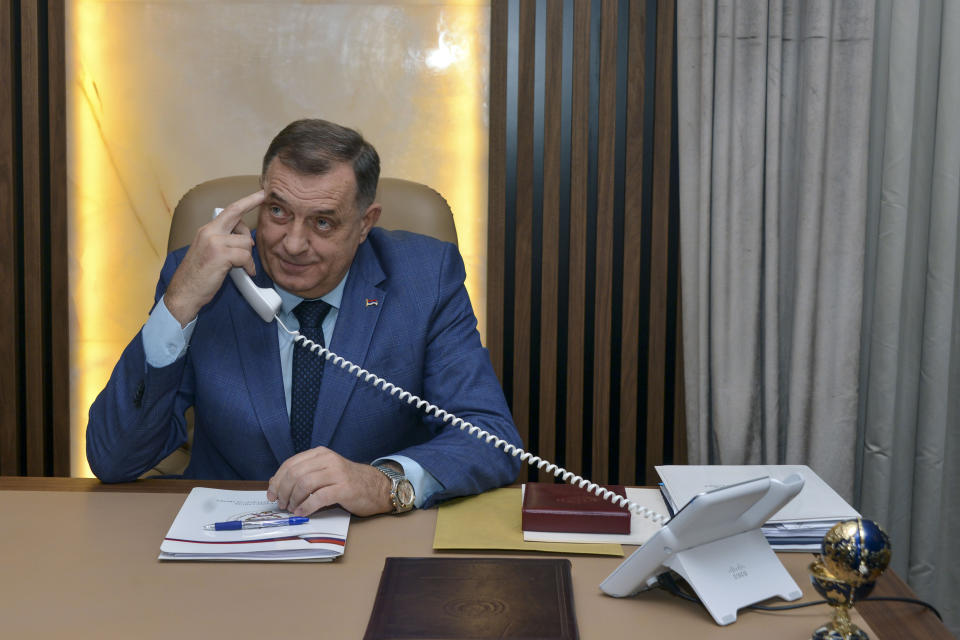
column 221, row 244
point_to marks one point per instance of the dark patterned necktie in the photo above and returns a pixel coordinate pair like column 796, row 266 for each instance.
column 307, row 373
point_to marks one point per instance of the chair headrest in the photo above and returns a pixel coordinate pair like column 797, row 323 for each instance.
column 407, row 205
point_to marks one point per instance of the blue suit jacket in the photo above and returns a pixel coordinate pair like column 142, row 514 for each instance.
column 420, row 335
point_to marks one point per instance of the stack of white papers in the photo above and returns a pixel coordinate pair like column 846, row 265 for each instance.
column 321, row 539
column 799, row 526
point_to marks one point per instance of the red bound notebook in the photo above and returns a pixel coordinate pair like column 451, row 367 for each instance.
column 569, row 509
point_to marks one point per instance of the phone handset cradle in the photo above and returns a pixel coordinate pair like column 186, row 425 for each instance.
column 716, row 544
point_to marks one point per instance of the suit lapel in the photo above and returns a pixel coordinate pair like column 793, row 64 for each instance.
column 356, row 321
column 260, row 360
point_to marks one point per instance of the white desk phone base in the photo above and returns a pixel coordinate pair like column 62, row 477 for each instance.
column 714, row 542
column 716, row 545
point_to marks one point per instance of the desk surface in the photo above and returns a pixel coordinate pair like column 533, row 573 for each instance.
column 79, row 559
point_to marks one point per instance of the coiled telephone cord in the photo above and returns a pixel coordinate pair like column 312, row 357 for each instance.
column 480, row 434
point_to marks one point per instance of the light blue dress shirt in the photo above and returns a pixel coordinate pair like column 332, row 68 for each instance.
column 165, row 341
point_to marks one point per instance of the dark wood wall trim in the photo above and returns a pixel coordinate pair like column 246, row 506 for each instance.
column 34, row 344
column 582, row 251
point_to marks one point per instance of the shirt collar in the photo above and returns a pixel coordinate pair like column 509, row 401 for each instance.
column 332, row 298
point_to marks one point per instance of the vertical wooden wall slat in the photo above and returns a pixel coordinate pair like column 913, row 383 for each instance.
column 659, row 241
column 10, row 404
column 632, row 237
column 577, row 256
column 32, row 220
column 523, row 258
column 604, row 278
column 34, row 435
column 550, row 267
column 584, row 324
column 496, row 224
column 58, row 310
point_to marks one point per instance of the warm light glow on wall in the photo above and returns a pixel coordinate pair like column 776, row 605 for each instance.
column 90, row 251
column 456, row 55
column 163, row 94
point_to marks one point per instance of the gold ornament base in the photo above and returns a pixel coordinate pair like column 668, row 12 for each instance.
column 824, row 633
column 841, row 628
column 840, row 596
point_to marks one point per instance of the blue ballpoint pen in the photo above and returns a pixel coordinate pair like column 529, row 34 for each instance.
column 234, row 525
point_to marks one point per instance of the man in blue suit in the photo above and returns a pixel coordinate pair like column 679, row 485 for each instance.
column 266, row 408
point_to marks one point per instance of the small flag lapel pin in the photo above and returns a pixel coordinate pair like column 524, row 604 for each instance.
column 372, row 302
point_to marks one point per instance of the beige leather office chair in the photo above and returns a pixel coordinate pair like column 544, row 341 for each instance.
column 408, row 206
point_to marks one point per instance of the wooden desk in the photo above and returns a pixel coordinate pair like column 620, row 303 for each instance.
column 79, row 559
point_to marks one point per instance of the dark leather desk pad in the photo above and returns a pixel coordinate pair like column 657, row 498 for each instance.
column 474, row 598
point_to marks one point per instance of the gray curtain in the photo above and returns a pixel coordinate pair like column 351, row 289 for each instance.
column 910, row 372
column 820, row 222
column 773, row 100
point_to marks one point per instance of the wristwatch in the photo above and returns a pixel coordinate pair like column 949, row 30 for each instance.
column 401, row 493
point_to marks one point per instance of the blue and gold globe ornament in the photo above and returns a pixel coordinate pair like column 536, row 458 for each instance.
column 853, row 555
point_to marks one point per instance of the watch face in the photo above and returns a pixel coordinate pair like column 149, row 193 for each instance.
column 405, row 493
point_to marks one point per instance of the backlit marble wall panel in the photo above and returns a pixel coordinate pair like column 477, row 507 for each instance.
column 165, row 94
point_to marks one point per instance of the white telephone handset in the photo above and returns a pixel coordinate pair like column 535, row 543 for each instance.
column 733, row 534
column 265, row 301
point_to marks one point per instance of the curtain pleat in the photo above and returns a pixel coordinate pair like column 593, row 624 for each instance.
column 773, row 102
column 910, row 413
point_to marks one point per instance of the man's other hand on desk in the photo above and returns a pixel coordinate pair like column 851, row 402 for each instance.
column 317, row 478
